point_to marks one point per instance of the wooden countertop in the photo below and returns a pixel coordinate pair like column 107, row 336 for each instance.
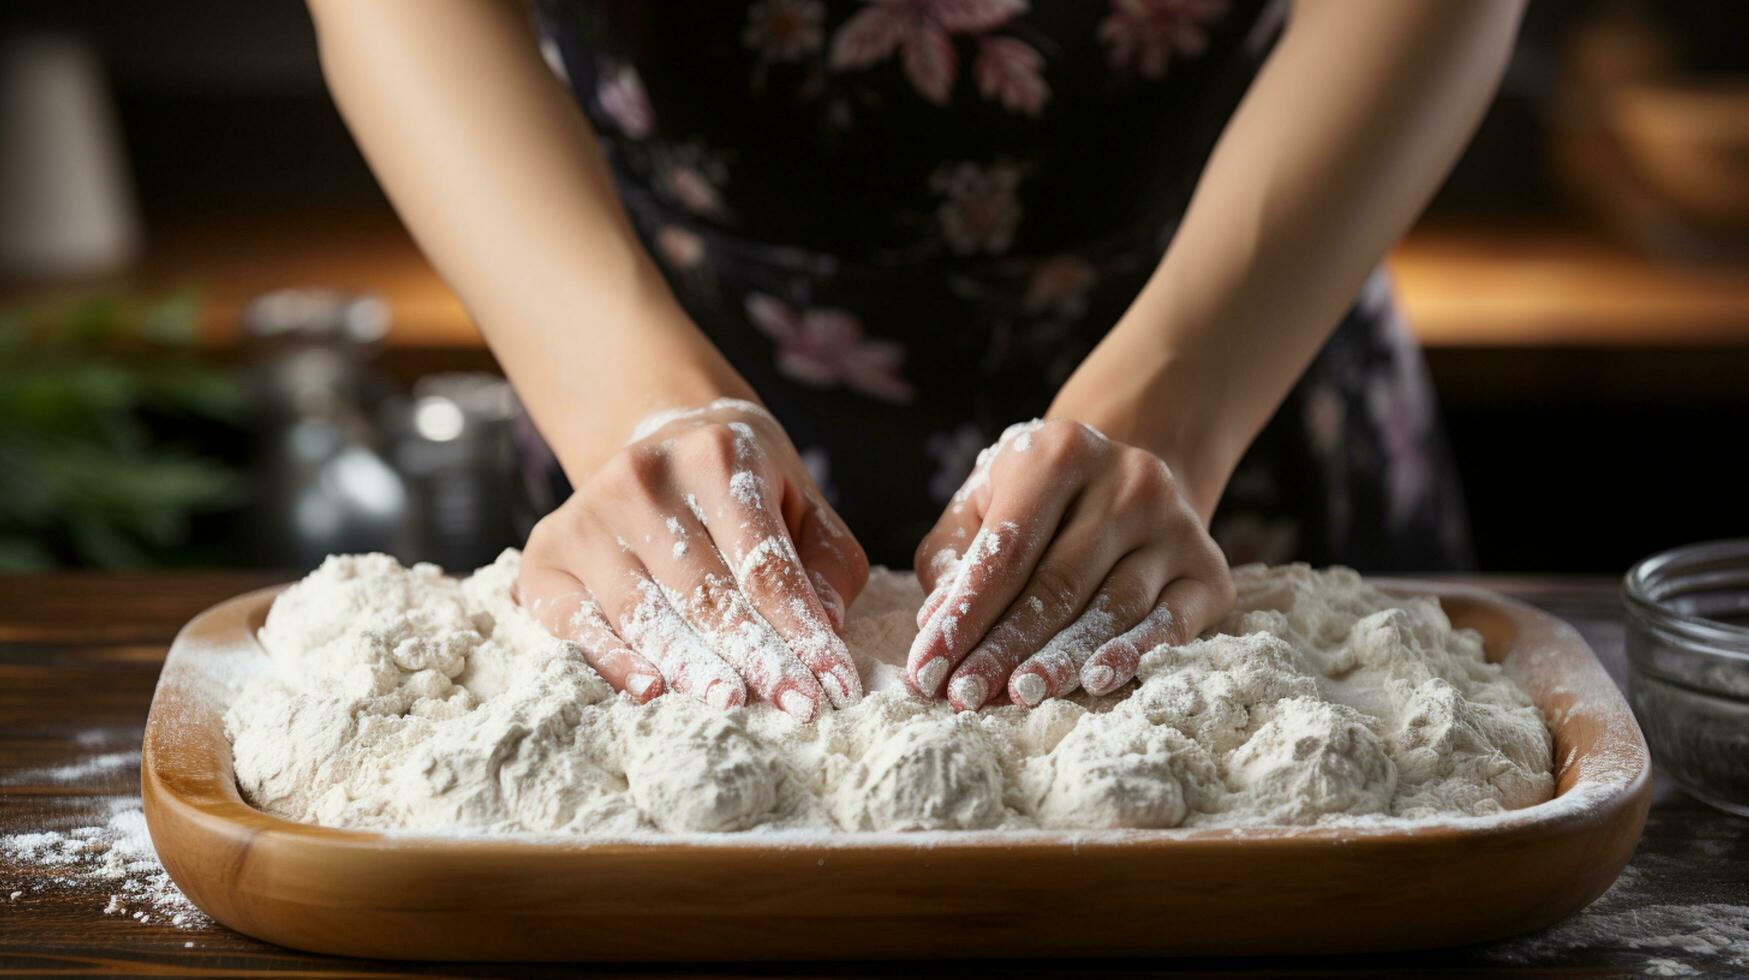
column 79, row 655
column 1510, row 287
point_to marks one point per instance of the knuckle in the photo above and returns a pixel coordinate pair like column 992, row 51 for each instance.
column 635, row 473
column 1141, row 485
column 1127, row 600
column 771, row 575
column 540, row 539
column 1054, row 588
column 713, row 446
column 710, row 600
column 1060, row 439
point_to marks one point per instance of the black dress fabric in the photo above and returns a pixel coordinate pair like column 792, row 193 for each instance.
column 906, row 222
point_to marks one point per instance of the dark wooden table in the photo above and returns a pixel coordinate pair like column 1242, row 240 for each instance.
column 79, row 656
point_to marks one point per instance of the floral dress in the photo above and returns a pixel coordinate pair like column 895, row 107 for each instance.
column 906, row 222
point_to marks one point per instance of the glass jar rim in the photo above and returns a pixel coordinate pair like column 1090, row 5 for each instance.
column 1647, row 584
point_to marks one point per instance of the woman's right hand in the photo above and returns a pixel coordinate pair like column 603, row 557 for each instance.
column 702, row 559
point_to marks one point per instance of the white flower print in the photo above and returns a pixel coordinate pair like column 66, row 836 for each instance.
column 785, row 30
column 1011, row 72
column 1147, row 33
column 621, row 94
column 981, row 209
column 921, row 32
column 825, row 347
column 955, row 452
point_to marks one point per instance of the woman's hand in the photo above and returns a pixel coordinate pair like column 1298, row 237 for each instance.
column 701, row 558
column 1063, row 559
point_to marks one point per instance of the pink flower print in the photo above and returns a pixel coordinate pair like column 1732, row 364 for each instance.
column 1325, row 414
column 785, row 30
column 621, row 95
column 1011, row 72
column 825, row 347
column 955, row 452
column 1147, row 33
column 692, row 177
column 680, row 248
column 980, row 210
column 692, row 189
column 1059, row 286
column 921, row 31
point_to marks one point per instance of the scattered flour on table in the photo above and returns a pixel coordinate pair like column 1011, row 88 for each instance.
column 114, row 856
column 107, row 764
column 1629, row 922
column 402, row 699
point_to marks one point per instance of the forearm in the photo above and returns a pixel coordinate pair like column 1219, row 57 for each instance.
column 1346, row 133
column 496, row 173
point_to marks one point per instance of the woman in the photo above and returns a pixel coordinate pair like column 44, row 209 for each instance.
column 900, row 226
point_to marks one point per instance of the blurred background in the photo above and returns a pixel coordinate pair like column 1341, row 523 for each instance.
column 218, row 347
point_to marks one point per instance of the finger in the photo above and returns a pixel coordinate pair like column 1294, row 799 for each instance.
column 561, row 603
column 703, row 589
column 938, row 554
column 749, row 530
column 640, row 612
column 946, row 564
column 836, row 563
column 1055, row 594
column 1125, row 598
column 1024, row 512
column 1186, row 608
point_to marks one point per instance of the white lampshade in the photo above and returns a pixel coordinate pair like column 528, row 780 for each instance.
column 66, row 207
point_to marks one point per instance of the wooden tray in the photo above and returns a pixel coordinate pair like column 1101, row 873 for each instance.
column 977, row 894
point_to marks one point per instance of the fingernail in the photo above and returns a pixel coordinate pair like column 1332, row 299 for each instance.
column 637, row 685
column 1030, row 689
column 834, row 689
column 1097, row 678
column 929, row 676
column 967, row 692
column 797, row 705
column 720, row 695
column 843, row 686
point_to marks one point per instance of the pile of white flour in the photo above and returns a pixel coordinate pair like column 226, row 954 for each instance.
column 401, row 699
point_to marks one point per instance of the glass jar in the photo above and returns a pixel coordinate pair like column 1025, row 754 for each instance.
column 1688, row 666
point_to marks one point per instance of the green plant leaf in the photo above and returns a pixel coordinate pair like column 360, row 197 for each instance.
column 102, row 544
column 190, row 386
column 21, row 554
column 91, row 319
column 173, row 320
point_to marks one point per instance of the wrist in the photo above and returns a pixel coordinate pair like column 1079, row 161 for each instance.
column 647, row 360
column 1158, row 410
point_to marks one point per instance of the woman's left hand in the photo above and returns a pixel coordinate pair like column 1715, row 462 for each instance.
column 1063, row 559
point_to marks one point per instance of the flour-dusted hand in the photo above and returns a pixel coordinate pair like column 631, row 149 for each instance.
column 1064, row 557
column 703, row 559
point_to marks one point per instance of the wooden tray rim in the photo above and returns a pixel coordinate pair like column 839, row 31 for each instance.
column 214, row 800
